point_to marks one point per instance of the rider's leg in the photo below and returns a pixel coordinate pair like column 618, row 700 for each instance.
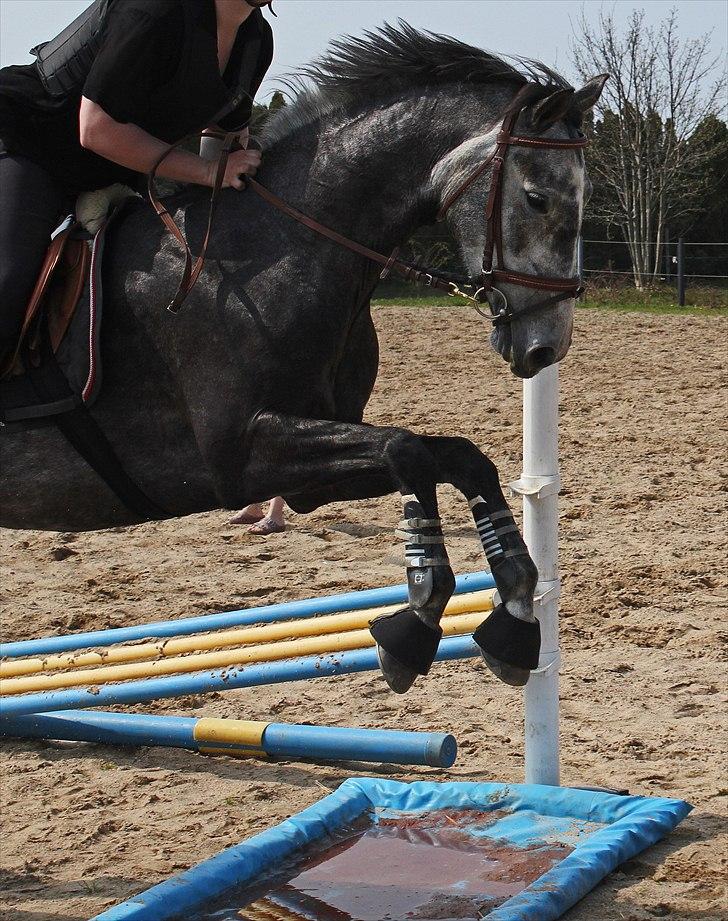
column 251, row 514
column 31, row 204
column 275, row 511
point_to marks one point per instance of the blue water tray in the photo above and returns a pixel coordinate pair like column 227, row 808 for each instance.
column 594, row 831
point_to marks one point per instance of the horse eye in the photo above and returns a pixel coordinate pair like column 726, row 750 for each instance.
column 537, row 201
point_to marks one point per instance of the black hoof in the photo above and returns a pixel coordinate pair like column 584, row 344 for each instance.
column 510, row 646
column 399, row 678
column 406, row 647
column 508, row 674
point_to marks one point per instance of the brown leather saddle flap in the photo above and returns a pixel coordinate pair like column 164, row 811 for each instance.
column 56, row 293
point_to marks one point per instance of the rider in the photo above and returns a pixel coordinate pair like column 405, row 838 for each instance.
column 163, row 70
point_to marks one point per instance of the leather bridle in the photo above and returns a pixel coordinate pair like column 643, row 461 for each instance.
column 560, row 288
column 501, row 313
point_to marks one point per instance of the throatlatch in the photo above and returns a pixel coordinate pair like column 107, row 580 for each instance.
column 412, row 635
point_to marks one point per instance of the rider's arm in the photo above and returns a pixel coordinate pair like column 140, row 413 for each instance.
column 136, row 149
column 130, row 146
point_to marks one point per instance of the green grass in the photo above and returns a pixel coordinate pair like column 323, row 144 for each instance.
column 711, row 302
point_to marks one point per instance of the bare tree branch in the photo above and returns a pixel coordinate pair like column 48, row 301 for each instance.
column 648, row 152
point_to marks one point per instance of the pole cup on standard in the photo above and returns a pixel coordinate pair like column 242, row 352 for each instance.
column 539, row 487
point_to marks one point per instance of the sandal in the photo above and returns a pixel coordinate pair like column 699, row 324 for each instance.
column 267, row 526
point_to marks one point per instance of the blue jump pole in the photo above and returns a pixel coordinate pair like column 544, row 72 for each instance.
column 310, row 607
column 224, row 679
column 238, row 737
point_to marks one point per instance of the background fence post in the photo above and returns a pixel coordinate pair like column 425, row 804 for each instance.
column 666, row 254
column 580, row 260
column 681, row 271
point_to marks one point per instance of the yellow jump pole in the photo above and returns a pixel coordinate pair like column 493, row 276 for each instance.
column 268, row 633
column 269, row 652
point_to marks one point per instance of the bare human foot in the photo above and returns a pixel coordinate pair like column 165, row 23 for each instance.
column 251, row 514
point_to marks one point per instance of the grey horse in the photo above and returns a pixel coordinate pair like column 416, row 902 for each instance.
column 258, row 386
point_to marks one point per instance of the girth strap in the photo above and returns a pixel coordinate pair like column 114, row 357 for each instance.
column 83, row 433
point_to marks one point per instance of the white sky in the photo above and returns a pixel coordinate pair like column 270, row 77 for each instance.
column 534, row 28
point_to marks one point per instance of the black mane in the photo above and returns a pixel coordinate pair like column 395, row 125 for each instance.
column 396, row 58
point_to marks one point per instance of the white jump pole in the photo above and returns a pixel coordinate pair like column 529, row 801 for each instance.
column 539, row 487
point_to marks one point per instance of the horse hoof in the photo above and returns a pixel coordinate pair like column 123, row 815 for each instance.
column 406, row 647
column 399, row 678
column 509, row 674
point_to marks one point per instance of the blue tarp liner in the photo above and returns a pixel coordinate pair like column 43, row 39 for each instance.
column 604, row 829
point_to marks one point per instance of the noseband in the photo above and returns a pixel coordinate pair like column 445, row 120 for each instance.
column 501, row 312
column 561, row 288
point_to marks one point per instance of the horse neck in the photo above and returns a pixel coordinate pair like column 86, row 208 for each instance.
column 368, row 176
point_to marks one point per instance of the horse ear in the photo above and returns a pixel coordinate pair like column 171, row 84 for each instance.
column 588, row 96
column 552, row 108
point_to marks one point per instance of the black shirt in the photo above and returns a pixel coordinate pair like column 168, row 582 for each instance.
column 157, row 68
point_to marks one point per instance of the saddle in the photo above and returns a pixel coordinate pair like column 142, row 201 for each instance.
column 62, row 281
column 39, row 379
column 54, row 374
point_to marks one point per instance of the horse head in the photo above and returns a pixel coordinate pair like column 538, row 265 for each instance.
column 527, row 175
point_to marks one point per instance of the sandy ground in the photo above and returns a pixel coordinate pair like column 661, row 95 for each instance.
column 643, row 559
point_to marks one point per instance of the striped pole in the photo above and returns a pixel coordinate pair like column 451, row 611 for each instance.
column 325, row 625
column 238, row 738
column 246, row 655
column 224, row 679
column 309, row 607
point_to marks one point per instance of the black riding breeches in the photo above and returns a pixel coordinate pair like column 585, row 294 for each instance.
column 32, row 203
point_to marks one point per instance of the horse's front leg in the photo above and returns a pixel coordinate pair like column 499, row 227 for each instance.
column 311, row 463
column 510, row 637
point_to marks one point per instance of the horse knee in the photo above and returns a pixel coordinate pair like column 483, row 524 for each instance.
column 408, row 459
column 470, row 468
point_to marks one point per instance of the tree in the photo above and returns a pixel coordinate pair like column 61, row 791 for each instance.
column 261, row 112
column 278, row 101
column 649, row 156
column 713, row 213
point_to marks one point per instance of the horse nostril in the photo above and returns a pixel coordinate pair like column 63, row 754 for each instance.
column 539, row 358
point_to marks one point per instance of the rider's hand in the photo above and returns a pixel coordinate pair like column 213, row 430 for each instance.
column 240, row 163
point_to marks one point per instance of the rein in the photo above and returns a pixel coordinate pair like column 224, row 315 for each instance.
column 405, row 270
column 192, row 269
column 501, row 313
